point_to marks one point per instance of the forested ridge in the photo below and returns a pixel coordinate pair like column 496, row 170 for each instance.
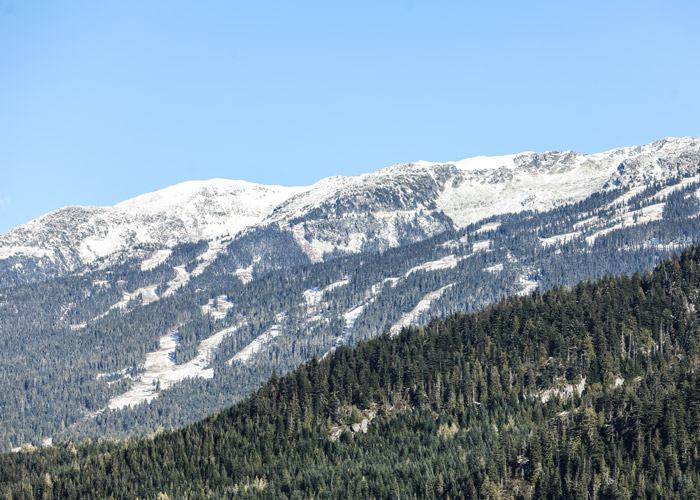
column 480, row 405
column 69, row 347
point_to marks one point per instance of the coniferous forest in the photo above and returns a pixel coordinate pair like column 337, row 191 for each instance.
column 71, row 344
column 584, row 393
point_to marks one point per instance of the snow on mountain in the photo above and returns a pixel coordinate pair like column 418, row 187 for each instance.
column 71, row 237
column 532, row 181
column 393, row 206
column 409, row 202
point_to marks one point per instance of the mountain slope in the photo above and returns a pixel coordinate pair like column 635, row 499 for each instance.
column 583, row 393
column 410, row 202
column 192, row 329
column 274, row 227
column 73, row 237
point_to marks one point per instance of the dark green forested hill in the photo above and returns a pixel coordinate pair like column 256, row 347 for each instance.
column 589, row 393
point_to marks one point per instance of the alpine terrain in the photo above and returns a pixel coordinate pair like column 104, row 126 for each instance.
column 163, row 309
column 339, row 215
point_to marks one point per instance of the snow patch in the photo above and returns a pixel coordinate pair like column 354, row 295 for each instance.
column 447, row 262
column 161, row 372
column 217, row 307
column 646, row 214
column 491, row 226
column 626, row 197
column 663, row 193
column 353, row 314
column 377, row 287
column 313, row 296
column 147, row 294
column 244, row 274
column 26, row 251
column 247, row 353
column 559, row 239
column 156, row 259
column 208, row 256
column 350, row 318
column 312, row 251
column 119, row 373
column 181, row 278
column 528, row 285
column 587, row 223
column 494, row 269
column 479, row 246
column 414, row 316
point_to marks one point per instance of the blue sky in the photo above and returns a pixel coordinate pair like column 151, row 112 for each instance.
column 103, row 101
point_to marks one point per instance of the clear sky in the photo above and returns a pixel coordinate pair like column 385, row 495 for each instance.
column 101, row 101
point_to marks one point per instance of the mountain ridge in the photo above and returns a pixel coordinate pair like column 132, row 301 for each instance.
column 72, row 237
column 398, row 204
column 220, row 316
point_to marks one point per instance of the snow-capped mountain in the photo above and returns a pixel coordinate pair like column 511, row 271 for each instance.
column 194, row 327
column 70, row 238
column 397, row 205
column 410, row 202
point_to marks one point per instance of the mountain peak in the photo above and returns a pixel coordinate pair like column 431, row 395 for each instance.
column 374, row 211
column 73, row 236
